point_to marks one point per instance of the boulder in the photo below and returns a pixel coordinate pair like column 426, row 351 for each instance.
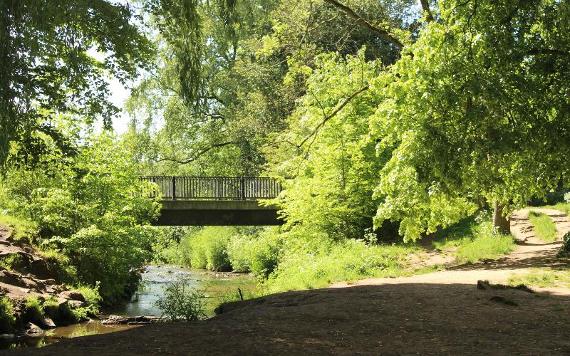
column 32, row 330
column 72, row 295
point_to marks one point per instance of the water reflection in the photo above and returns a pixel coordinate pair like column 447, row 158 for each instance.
column 155, row 279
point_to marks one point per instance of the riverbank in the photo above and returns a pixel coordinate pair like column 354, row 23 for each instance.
column 32, row 297
column 450, row 312
column 405, row 318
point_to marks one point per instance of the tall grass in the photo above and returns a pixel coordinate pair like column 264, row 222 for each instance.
column 543, row 278
column 22, row 229
column 564, row 207
column 473, row 240
column 339, row 261
column 544, row 227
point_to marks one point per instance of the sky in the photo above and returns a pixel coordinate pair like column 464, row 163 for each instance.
column 119, row 95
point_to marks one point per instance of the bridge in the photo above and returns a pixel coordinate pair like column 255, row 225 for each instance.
column 216, row 201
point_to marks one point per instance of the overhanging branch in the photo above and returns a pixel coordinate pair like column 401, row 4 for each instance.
column 332, row 114
column 365, row 23
column 197, row 154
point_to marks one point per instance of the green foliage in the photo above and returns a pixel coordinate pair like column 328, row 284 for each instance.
column 325, row 160
column 92, row 212
column 182, row 302
column 473, row 240
column 7, row 318
column 543, row 225
column 305, row 267
column 543, row 278
column 11, row 262
column 259, row 253
column 469, row 115
column 166, row 245
column 208, row 248
column 48, row 67
column 92, row 297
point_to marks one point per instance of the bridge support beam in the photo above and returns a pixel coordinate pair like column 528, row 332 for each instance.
column 216, row 213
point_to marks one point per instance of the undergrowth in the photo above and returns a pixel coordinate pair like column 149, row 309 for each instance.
column 544, row 227
column 473, row 240
column 544, row 277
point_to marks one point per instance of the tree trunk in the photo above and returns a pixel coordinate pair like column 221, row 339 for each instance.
column 500, row 222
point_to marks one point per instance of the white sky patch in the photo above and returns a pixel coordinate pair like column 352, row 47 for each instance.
column 118, row 95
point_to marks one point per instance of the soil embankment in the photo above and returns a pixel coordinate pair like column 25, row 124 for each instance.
column 26, row 274
column 441, row 313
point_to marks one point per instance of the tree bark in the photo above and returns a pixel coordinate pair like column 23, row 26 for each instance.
column 501, row 223
column 426, row 9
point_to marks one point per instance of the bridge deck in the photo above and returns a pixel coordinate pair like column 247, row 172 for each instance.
column 200, row 201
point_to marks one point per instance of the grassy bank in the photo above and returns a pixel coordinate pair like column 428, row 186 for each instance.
column 284, row 260
column 543, row 277
column 471, row 241
column 543, row 225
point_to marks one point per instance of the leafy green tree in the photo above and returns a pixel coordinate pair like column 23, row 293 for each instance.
column 326, row 162
column 231, row 72
column 46, row 67
column 93, row 208
column 477, row 111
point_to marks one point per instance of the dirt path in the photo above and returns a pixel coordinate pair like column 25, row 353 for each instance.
column 441, row 313
column 530, row 252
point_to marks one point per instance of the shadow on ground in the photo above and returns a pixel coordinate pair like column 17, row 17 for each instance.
column 452, row 319
column 540, row 259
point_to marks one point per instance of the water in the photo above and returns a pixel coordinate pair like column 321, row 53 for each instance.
column 215, row 286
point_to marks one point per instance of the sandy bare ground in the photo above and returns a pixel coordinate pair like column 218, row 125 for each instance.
column 441, row 313
column 530, row 252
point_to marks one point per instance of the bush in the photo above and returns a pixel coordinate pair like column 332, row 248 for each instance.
column 305, row 268
column 7, row 318
column 91, row 249
column 182, row 302
column 91, row 208
column 258, row 254
column 208, row 247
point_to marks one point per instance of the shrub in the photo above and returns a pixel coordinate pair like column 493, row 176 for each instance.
column 7, row 318
column 208, row 248
column 258, row 254
column 92, row 297
column 182, row 302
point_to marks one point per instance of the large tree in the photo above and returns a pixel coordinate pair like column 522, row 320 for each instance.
column 478, row 109
column 46, row 67
column 232, row 71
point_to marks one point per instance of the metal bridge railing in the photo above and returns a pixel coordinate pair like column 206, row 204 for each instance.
column 216, row 188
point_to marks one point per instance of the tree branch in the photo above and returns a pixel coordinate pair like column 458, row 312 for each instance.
column 425, row 7
column 333, row 113
column 197, row 154
column 363, row 22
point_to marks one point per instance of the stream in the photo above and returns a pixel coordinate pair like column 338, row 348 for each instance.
column 216, row 287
